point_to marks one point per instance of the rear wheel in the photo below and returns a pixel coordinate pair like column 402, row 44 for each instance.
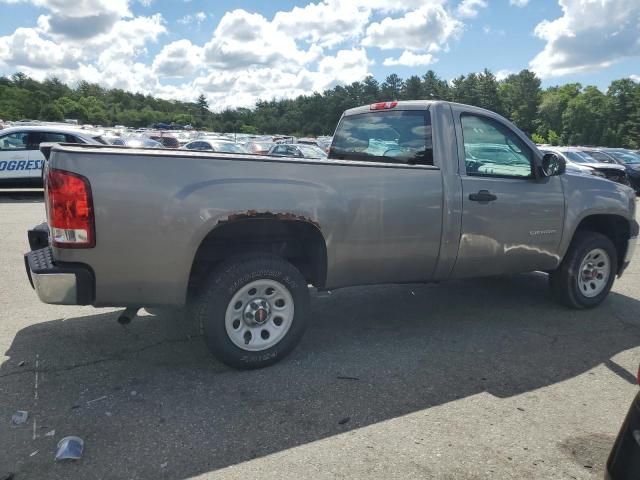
column 253, row 310
column 587, row 272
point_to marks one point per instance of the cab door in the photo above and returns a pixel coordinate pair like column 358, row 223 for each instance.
column 511, row 221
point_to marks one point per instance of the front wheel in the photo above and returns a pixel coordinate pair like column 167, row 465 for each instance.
column 587, row 272
column 253, row 310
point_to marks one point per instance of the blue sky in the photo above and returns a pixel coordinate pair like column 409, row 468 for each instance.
column 238, row 52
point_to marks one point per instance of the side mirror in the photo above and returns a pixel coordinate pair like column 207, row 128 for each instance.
column 552, row 165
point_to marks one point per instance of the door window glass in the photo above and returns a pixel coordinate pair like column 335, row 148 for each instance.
column 14, row 141
column 53, row 137
column 493, row 150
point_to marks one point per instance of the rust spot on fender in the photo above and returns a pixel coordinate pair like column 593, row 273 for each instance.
column 253, row 214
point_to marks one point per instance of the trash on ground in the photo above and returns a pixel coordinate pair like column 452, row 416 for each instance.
column 50, row 433
column 344, row 377
column 70, row 448
column 412, row 292
column 164, row 465
column 134, row 393
column 22, row 363
column 344, row 420
column 96, row 399
column 19, row 417
column 33, row 454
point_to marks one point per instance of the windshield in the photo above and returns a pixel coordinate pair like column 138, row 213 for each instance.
column 578, row 157
column 228, row 147
column 626, row 157
column 600, row 156
column 311, row 152
column 385, row 136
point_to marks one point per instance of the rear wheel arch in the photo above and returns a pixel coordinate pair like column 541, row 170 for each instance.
column 299, row 241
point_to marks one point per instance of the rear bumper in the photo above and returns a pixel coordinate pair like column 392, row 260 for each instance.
column 59, row 283
column 624, row 460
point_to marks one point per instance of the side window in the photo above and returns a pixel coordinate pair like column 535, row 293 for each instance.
column 279, row 150
column 493, row 150
column 72, row 139
column 14, row 141
column 53, row 137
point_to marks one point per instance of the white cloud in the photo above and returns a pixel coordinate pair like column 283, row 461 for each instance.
column 635, row 78
column 428, row 28
column 591, row 34
column 26, row 48
column 178, row 59
column 196, row 18
column 244, row 39
column 410, row 59
column 519, row 3
column 469, row 8
column 327, row 23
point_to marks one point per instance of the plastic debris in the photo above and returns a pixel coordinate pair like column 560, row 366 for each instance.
column 164, row 465
column 22, row 363
column 96, row 399
column 19, row 417
column 50, row 433
column 70, row 448
column 33, row 454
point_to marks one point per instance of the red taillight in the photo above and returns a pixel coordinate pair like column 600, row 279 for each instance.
column 70, row 210
column 383, row 105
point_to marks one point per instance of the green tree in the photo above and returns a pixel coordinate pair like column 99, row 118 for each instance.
column 391, row 87
column 520, row 95
column 412, row 89
column 585, row 118
column 51, row 112
column 434, row 88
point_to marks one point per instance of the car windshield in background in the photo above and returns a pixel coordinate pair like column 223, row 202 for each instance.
column 401, row 136
column 228, row 147
column 578, row 157
column 310, row 151
column 626, row 157
column 600, row 156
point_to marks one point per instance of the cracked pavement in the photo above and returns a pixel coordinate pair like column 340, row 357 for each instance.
column 484, row 378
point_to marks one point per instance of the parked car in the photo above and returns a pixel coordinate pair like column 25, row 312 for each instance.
column 296, row 150
column 240, row 238
column 136, row 142
column 260, row 148
column 167, row 141
column 216, row 146
column 20, row 158
column 611, row 171
column 624, row 459
column 631, row 161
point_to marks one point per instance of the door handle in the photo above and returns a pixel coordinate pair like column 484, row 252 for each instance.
column 482, row 196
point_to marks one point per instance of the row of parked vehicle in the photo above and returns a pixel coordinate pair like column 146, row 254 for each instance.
column 616, row 164
column 21, row 160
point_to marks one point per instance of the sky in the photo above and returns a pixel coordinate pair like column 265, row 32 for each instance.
column 238, row 52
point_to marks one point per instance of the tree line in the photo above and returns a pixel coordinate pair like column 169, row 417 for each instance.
column 569, row 114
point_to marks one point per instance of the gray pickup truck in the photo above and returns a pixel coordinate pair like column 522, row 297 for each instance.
column 414, row 191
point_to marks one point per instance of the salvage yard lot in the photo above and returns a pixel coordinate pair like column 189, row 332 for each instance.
column 485, row 378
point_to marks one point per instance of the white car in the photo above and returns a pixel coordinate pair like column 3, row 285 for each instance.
column 20, row 158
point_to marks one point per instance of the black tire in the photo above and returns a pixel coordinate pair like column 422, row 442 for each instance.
column 564, row 280
column 210, row 305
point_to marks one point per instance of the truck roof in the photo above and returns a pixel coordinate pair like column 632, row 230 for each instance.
column 413, row 105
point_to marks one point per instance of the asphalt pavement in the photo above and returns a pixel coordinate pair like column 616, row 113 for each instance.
column 476, row 379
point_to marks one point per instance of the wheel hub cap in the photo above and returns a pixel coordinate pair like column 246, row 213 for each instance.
column 257, row 312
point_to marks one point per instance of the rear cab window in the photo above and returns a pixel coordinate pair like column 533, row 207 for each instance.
column 391, row 136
